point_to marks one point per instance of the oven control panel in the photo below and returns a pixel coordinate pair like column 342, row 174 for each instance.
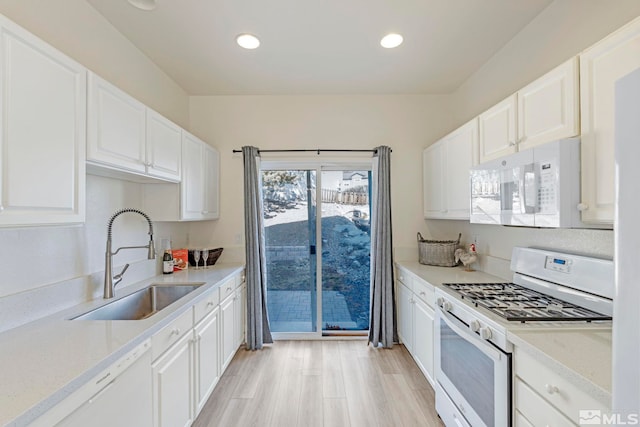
column 560, row 264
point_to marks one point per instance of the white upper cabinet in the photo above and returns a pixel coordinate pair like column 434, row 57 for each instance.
column 116, row 127
column 43, row 132
column 446, row 173
column 124, row 135
column 433, row 180
column 197, row 196
column 548, row 108
column 543, row 111
column 211, row 182
column 164, row 142
column 600, row 67
column 193, row 185
column 498, row 130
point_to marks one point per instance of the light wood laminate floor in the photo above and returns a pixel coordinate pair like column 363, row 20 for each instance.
column 321, row 383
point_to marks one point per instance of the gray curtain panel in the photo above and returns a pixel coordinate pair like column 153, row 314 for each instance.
column 258, row 331
column 383, row 324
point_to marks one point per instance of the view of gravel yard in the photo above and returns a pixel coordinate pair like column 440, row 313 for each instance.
column 291, row 260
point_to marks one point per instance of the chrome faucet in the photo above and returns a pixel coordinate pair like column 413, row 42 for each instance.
column 109, row 284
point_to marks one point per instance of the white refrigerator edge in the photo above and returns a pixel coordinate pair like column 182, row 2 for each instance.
column 626, row 315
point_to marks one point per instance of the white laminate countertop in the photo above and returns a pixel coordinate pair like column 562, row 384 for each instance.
column 44, row 361
column 436, row 276
column 582, row 353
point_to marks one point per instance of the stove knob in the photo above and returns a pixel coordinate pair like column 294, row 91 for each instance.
column 446, row 305
column 485, row 333
column 474, row 325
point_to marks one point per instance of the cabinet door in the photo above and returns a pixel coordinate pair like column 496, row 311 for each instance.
column 116, row 127
column 239, row 311
column 423, row 337
column 548, row 107
column 600, row 67
column 164, row 142
column 43, row 125
column 125, row 401
column 460, row 154
column 207, row 360
column 172, row 386
column 432, row 180
column 498, row 130
column 192, row 185
column 227, row 329
column 405, row 316
column 211, row 183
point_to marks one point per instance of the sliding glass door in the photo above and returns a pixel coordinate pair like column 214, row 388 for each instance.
column 317, row 250
column 346, row 243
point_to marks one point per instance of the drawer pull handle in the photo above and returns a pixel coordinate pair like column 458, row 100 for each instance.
column 423, row 293
column 210, row 304
column 551, row 389
column 175, row 331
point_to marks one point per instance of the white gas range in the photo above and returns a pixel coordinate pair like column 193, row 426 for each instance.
column 473, row 355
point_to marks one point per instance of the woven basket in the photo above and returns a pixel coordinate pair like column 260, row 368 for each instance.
column 437, row 252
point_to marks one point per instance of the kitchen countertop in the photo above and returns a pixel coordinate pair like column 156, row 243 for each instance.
column 44, row 361
column 577, row 352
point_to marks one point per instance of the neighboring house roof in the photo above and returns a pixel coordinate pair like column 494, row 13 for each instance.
column 348, row 175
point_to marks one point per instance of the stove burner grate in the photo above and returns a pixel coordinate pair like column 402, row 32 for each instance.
column 517, row 303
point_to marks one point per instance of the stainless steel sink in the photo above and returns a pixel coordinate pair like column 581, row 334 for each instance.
column 141, row 304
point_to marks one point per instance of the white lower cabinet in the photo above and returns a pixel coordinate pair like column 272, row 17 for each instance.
column 405, row 316
column 125, row 385
column 543, row 397
column 227, row 330
column 172, row 385
column 240, row 313
column 423, row 337
column 206, row 357
column 416, row 321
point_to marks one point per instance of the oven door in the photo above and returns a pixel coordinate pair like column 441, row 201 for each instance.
column 474, row 374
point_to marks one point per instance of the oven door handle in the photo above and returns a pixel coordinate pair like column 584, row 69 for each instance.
column 484, row 346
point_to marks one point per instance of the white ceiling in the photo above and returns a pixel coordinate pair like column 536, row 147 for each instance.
column 321, row 46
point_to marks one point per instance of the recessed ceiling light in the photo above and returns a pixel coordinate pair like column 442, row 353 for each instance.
column 143, row 4
column 391, row 40
column 248, row 41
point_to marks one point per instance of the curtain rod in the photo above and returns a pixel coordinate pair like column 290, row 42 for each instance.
column 317, row 150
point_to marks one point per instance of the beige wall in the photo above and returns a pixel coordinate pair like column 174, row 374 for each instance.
column 405, row 123
column 77, row 29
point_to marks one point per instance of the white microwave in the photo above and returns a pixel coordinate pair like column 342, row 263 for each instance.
column 538, row 187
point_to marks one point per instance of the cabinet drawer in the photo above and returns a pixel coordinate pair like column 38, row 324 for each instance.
column 521, row 421
column 404, row 277
column 206, row 305
column 560, row 392
column 536, row 410
column 424, row 291
column 164, row 339
column 227, row 287
column 241, row 278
